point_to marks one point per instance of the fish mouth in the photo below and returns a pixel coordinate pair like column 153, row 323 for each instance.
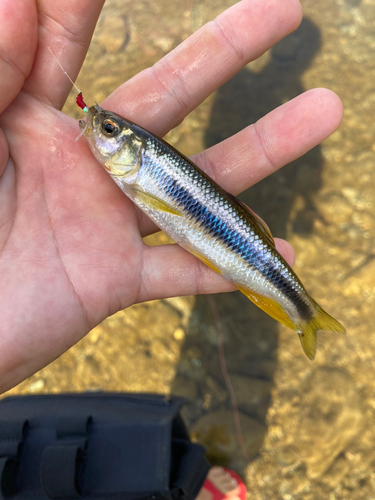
column 82, row 125
column 92, row 112
column 87, row 125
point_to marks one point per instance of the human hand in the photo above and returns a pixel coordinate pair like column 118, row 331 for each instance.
column 71, row 249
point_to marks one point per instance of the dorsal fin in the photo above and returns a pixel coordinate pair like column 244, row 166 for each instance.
column 260, row 222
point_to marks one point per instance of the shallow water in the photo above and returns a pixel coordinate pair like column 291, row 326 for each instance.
column 309, row 428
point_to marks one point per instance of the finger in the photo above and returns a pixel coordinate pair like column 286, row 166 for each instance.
column 4, row 152
column 276, row 139
column 18, row 41
column 170, row 271
column 66, row 28
column 286, row 250
column 159, row 97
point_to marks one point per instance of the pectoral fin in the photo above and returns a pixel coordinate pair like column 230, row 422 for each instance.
column 270, row 306
column 260, row 222
column 153, row 202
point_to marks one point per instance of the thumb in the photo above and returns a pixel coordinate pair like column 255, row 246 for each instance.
column 18, row 42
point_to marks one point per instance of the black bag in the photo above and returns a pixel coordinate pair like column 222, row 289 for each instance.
column 97, row 446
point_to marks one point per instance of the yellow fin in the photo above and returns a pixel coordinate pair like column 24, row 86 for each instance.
column 308, row 341
column 154, row 202
column 205, row 261
column 260, row 222
column 270, row 306
column 320, row 321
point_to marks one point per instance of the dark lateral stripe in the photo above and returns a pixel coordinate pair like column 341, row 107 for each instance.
column 218, row 228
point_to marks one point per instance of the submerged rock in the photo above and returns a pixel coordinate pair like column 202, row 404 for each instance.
column 216, row 431
column 331, row 418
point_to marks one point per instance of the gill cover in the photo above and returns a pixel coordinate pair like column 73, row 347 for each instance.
column 127, row 159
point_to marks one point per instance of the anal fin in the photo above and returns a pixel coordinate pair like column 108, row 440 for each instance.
column 270, row 306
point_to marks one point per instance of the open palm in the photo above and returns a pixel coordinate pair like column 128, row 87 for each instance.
column 71, row 249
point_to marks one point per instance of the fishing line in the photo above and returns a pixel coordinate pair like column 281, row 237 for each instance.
column 228, row 383
column 79, row 99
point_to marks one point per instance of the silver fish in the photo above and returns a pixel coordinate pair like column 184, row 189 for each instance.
column 204, row 219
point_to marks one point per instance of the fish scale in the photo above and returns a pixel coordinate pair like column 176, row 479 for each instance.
column 205, row 220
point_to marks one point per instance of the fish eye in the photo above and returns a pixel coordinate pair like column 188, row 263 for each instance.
column 110, row 127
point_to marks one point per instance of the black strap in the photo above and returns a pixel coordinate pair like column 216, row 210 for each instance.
column 69, row 427
column 8, row 474
column 9, row 448
column 62, row 463
column 13, row 430
column 190, row 469
column 12, row 435
column 60, row 471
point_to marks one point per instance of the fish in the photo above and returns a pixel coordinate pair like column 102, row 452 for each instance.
column 207, row 221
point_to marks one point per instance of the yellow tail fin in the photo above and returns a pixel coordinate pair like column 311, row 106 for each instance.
column 320, row 321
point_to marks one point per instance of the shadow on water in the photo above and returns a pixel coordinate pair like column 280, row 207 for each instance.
column 250, row 336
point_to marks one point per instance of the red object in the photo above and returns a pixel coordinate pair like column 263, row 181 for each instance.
column 79, row 100
column 219, row 495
